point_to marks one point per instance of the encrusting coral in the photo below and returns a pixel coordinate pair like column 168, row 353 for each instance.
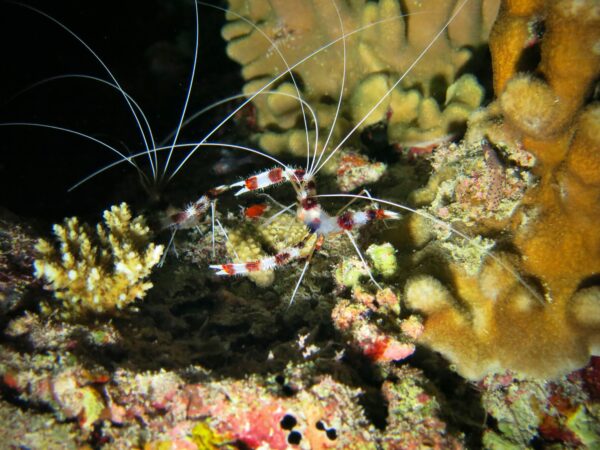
column 431, row 103
column 99, row 273
column 250, row 242
column 544, row 322
column 471, row 184
column 355, row 170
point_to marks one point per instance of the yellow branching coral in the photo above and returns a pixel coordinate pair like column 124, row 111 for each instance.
column 101, row 272
column 432, row 100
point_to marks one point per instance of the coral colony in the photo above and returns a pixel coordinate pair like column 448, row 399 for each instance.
column 104, row 273
column 445, row 295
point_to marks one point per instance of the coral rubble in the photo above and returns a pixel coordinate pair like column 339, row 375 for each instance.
column 497, row 318
column 383, row 40
column 99, row 273
column 372, row 325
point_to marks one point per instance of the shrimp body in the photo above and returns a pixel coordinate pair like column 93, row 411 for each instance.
column 310, row 212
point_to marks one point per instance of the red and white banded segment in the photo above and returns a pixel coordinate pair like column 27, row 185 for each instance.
column 322, row 226
column 269, row 263
column 321, row 223
column 350, row 220
column 269, row 178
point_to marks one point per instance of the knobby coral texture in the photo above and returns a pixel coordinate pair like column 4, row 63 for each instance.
column 252, row 242
column 382, row 42
column 548, row 322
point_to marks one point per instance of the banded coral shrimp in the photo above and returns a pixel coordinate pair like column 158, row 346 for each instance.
column 263, row 179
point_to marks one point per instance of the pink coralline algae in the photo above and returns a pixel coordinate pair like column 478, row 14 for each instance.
column 253, row 415
column 355, row 170
column 361, row 321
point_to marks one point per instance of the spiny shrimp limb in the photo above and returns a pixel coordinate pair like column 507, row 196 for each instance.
column 188, row 217
column 269, row 178
column 269, row 263
column 344, row 223
column 350, row 220
column 321, row 223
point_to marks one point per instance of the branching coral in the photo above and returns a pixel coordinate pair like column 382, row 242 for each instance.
column 432, row 101
column 99, row 273
column 492, row 320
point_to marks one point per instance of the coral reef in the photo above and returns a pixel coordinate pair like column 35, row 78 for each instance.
column 207, row 364
column 82, row 402
column 24, row 430
column 487, row 322
column 536, row 311
column 527, row 410
column 414, row 414
column 431, row 103
column 126, row 408
column 554, row 123
column 102, row 273
column 135, row 381
column 470, row 184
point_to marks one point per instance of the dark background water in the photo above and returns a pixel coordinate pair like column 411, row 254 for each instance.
column 148, row 45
